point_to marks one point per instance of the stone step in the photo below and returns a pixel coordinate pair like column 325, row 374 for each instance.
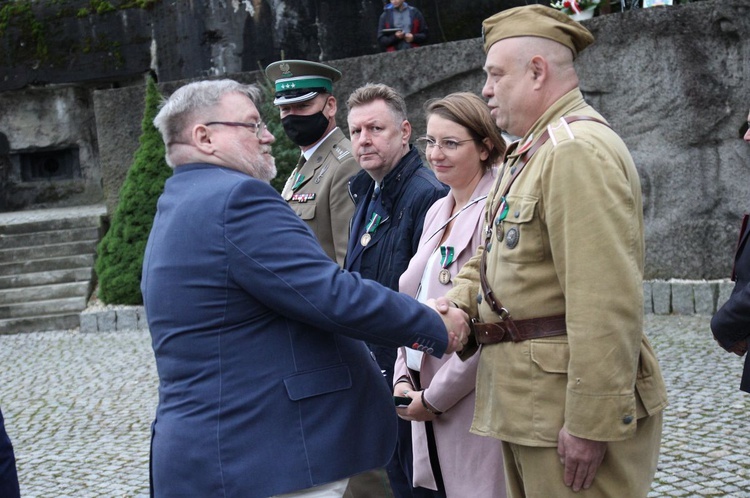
column 48, row 251
column 46, row 277
column 41, row 308
column 49, row 264
column 63, row 321
column 44, row 292
column 47, row 237
column 50, row 225
column 41, row 220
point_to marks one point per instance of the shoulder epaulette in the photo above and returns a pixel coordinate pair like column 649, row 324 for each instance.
column 559, row 131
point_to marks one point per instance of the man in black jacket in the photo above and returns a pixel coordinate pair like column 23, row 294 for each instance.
column 392, row 196
column 731, row 324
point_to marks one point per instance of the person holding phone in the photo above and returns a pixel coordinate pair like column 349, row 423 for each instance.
column 462, row 145
column 401, row 27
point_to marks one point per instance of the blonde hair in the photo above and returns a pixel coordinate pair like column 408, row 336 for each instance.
column 378, row 91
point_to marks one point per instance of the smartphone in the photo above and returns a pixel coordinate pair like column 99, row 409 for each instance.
column 402, row 400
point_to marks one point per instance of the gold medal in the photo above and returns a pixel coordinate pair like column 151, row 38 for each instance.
column 365, row 239
column 444, row 277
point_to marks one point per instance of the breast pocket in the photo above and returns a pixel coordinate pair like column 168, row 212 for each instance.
column 305, row 210
column 522, row 231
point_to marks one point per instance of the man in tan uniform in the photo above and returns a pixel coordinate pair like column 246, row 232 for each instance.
column 317, row 189
column 567, row 379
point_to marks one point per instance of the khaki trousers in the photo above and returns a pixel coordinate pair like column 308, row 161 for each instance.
column 627, row 470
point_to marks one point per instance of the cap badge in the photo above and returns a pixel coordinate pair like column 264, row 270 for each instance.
column 285, row 72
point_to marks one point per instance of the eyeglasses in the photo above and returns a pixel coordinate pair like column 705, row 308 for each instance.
column 425, row 144
column 258, row 127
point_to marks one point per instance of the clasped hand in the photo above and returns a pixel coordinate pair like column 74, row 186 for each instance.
column 456, row 323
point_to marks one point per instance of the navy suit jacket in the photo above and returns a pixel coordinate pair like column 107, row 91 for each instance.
column 732, row 322
column 265, row 385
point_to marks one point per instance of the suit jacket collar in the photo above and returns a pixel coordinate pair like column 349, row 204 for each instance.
column 460, row 237
column 311, row 168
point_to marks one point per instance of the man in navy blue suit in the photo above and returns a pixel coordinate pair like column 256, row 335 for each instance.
column 266, row 386
column 731, row 324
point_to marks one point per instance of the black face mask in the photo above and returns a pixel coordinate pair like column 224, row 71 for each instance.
column 305, row 130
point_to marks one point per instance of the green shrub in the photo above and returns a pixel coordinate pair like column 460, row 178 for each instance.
column 120, row 252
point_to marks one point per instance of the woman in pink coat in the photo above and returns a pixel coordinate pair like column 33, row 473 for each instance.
column 462, row 145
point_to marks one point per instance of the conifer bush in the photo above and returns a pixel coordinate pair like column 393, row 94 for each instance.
column 120, row 252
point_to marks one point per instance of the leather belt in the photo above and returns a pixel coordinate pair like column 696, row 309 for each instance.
column 518, row 330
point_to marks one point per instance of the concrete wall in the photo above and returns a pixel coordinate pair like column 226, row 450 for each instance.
column 48, row 119
column 674, row 82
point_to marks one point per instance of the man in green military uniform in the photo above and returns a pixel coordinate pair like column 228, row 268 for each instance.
column 567, row 379
column 317, row 188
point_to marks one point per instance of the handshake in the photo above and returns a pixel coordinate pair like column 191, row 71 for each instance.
column 456, row 323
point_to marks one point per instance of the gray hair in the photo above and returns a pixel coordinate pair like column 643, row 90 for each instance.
column 378, row 91
column 178, row 110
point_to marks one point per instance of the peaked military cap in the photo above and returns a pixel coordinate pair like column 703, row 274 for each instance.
column 536, row 20
column 298, row 81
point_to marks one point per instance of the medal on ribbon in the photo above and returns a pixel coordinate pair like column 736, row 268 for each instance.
column 499, row 231
column 370, row 229
column 447, row 256
column 298, row 179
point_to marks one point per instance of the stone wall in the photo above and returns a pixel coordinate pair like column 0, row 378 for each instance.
column 674, row 82
column 47, row 121
column 56, row 42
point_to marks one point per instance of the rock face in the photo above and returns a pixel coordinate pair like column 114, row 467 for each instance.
column 64, row 42
column 673, row 82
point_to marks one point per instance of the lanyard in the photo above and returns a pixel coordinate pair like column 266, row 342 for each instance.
column 470, row 203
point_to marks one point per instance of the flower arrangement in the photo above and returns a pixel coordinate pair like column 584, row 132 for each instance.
column 574, row 6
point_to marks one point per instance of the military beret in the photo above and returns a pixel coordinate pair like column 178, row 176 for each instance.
column 298, row 81
column 536, row 20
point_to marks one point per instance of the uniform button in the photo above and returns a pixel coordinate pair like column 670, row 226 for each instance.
column 513, row 170
column 517, row 214
column 627, row 419
column 479, row 299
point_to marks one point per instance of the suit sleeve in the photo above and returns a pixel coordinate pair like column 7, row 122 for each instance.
column 592, row 216
column 731, row 323
column 466, row 285
column 273, row 256
column 342, row 207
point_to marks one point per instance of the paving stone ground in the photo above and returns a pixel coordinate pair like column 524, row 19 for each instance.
column 79, row 406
